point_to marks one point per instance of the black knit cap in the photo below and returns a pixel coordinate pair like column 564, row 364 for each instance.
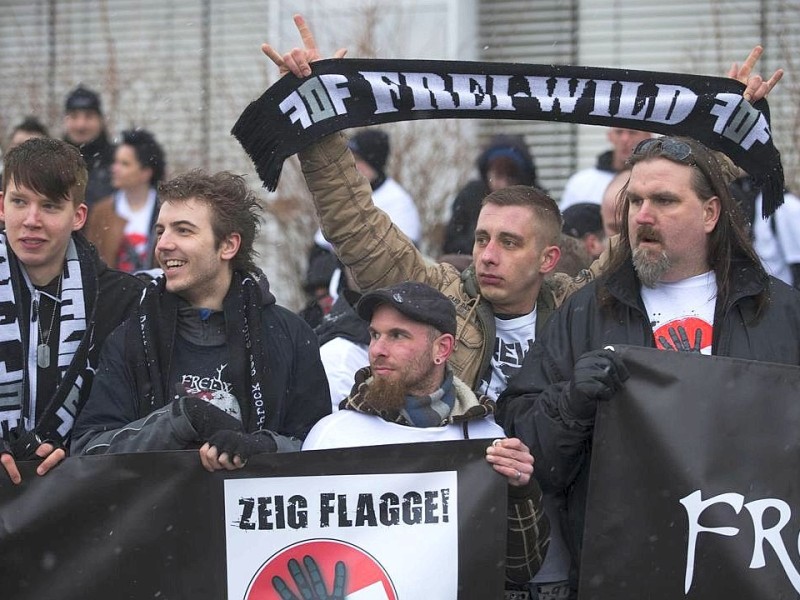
column 582, row 218
column 372, row 145
column 82, row 98
column 417, row 301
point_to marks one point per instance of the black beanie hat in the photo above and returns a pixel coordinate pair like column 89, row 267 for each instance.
column 372, row 145
column 82, row 98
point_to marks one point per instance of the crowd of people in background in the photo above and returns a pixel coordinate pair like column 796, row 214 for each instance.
column 195, row 352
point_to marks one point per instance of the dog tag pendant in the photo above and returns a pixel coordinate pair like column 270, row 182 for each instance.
column 43, row 356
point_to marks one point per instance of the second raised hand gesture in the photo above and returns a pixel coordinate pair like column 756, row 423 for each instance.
column 757, row 88
column 298, row 60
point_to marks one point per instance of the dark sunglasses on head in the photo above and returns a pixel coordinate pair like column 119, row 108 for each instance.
column 673, row 148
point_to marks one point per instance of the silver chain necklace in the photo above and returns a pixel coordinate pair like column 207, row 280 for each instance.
column 43, row 352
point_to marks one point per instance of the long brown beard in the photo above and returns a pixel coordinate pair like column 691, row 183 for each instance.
column 387, row 395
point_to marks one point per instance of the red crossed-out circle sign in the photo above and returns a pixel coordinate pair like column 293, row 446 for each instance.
column 364, row 576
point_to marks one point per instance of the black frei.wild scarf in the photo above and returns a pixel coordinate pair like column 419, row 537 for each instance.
column 345, row 93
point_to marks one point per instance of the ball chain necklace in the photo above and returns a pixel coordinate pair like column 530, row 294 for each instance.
column 43, row 351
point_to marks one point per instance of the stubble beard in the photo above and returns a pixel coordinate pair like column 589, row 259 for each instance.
column 650, row 266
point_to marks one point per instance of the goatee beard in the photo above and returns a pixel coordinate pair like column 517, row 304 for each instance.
column 650, row 267
column 386, row 395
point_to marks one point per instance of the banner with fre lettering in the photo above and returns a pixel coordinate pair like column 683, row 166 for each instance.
column 695, row 482
column 381, row 523
column 345, row 93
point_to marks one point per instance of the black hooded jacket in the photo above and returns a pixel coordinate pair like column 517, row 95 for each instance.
column 99, row 156
column 460, row 232
column 130, row 408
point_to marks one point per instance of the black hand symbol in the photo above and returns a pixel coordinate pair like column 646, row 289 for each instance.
column 680, row 340
column 310, row 584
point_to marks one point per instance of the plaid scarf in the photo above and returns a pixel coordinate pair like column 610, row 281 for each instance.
column 426, row 411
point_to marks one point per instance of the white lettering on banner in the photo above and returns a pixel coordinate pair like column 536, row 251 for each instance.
column 429, row 91
column 738, row 121
column 695, row 505
column 322, row 97
column 317, row 99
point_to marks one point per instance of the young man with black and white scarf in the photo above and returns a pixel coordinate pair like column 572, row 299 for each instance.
column 58, row 299
column 208, row 360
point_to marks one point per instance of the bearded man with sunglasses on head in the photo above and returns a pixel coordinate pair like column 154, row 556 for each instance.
column 684, row 278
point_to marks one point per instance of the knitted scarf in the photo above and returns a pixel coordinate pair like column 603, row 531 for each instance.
column 345, row 93
column 154, row 345
column 19, row 336
column 435, row 410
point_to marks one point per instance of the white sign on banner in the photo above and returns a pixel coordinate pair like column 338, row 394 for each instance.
column 360, row 533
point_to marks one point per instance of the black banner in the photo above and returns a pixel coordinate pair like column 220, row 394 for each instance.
column 384, row 522
column 344, row 93
column 695, row 482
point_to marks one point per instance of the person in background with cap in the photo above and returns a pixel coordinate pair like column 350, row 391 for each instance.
column 409, row 394
column 583, row 222
column 85, row 128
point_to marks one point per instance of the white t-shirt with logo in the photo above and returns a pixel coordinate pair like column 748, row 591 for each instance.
column 682, row 313
column 136, row 236
column 513, row 339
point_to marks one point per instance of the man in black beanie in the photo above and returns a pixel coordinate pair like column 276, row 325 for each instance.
column 84, row 127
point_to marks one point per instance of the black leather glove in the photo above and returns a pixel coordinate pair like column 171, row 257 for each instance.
column 206, row 418
column 597, row 376
column 242, row 444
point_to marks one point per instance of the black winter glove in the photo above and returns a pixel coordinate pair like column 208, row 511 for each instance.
column 242, row 444
column 5, row 447
column 597, row 376
column 206, row 418
column 22, row 444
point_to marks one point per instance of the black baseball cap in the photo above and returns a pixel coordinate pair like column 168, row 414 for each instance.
column 417, row 301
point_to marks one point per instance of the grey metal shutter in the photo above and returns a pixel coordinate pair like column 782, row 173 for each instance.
column 541, row 32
